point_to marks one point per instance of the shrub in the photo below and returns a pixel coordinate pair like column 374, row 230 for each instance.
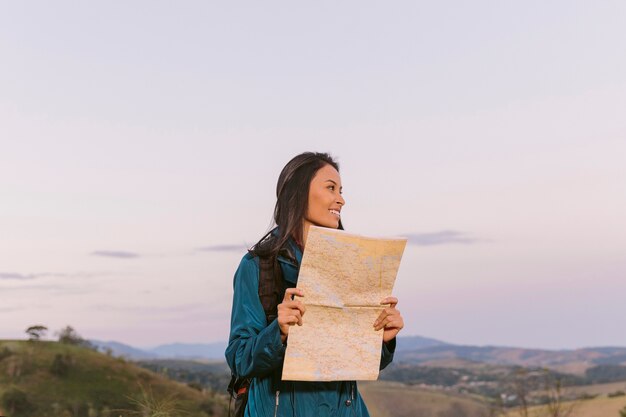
column 16, row 403
column 5, row 353
column 60, row 365
column 195, row 385
column 69, row 336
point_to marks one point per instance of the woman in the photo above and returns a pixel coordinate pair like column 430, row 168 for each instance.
column 308, row 193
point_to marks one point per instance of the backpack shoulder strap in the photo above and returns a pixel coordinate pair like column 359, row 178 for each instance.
column 271, row 287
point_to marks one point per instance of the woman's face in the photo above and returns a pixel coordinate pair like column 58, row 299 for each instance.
column 325, row 200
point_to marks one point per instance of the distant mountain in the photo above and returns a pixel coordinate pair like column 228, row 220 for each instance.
column 412, row 350
column 121, row 350
column 191, row 351
column 202, row 351
column 409, row 343
column 215, row 351
column 571, row 361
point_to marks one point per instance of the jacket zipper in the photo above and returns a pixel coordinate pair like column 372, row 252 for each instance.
column 276, row 407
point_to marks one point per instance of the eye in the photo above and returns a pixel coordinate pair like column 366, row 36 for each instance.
column 331, row 187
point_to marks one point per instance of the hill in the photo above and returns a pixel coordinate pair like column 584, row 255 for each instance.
column 199, row 351
column 54, row 379
column 215, row 351
column 383, row 398
column 415, row 350
column 388, row 399
column 569, row 361
column 595, row 407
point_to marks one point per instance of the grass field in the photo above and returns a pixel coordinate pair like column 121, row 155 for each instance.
column 599, row 388
column 597, row 407
column 390, row 399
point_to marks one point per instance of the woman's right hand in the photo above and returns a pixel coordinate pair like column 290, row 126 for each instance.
column 290, row 312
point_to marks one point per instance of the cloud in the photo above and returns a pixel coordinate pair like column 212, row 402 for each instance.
column 223, row 248
column 10, row 309
column 56, row 288
column 23, row 277
column 31, row 283
column 115, row 254
column 151, row 310
column 17, row 276
column 442, row 237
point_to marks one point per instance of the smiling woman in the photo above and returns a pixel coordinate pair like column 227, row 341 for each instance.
column 308, row 193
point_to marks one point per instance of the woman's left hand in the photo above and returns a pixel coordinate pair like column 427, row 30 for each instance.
column 390, row 319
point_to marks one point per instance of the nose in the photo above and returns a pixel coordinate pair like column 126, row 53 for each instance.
column 341, row 200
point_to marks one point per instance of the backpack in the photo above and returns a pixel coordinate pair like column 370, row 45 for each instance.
column 271, row 293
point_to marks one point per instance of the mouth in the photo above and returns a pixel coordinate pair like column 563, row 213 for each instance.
column 335, row 212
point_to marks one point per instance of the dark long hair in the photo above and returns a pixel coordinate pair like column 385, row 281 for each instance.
column 292, row 201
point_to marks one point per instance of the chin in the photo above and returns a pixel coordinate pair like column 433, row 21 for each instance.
column 328, row 225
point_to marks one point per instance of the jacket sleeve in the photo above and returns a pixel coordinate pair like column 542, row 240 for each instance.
column 386, row 355
column 254, row 348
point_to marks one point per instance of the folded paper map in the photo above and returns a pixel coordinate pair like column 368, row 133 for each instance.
column 344, row 278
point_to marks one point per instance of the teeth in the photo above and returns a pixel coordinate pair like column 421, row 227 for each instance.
column 334, row 212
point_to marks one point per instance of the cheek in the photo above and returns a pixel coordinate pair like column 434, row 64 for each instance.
column 316, row 204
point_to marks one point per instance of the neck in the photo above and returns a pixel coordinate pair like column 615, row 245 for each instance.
column 305, row 231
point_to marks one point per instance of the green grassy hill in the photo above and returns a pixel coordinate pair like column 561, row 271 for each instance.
column 53, row 379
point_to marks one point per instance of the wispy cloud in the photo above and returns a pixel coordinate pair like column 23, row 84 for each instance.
column 50, row 288
column 181, row 313
column 223, row 248
column 151, row 310
column 10, row 309
column 17, row 276
column 442, row 237
column 115, row 254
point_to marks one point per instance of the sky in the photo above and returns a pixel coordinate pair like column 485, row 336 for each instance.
column 140, row 144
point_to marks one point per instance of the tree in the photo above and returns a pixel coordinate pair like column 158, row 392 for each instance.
column 36, row 332
column 622, row 412
column 522, row 391
column 555, row 403
column 69, row 336
column 556, row 406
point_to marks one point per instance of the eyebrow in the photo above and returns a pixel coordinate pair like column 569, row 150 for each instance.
column 329, row 180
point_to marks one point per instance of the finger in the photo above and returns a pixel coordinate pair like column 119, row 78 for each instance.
column 290, row 312
column 394, row 325
column 381, row 317
column 289, row 320
column 290, row 317
column 390, row 321
column 390, row 311
column 294, row 305
column 392, row 301
column 381, row 323
column 290, row 292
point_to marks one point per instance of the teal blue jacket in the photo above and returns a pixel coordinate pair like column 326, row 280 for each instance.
column 255, row 351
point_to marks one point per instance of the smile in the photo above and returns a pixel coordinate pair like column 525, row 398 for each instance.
column 335, row 212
